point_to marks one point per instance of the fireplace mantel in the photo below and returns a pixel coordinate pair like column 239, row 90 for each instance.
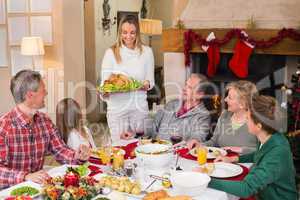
column 173, row 41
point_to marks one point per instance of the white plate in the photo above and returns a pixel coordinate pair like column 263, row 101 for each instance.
column 210, row 152
column 6, row 193
column 226, row 170
column 61, row 170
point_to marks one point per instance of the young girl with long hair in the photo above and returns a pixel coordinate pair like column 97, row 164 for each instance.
column 70, row 124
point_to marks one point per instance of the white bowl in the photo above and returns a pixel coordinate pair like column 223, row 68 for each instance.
column 154, row 155
column 189, row 183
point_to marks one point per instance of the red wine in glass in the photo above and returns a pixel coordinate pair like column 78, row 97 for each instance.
column 139, row 134
column 176, row 139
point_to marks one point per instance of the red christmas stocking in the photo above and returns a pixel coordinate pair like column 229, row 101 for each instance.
column 239, row 62
column 213, row 53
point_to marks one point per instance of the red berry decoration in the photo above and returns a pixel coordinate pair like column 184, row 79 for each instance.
column 71, row 179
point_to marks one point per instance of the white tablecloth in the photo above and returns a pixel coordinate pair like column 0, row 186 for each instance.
column 208, row 194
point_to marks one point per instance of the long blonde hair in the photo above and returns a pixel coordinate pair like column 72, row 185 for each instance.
column 68, row 117
column 131, row 19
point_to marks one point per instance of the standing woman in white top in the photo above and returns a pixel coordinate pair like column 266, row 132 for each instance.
column 70, row 124
column 127, row 113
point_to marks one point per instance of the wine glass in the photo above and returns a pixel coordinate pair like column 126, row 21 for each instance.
column 175, row 138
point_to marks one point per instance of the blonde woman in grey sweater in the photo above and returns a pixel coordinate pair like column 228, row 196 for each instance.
column 231, row 130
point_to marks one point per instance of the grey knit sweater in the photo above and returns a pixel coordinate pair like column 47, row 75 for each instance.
column 194, row 124
column 224, row 135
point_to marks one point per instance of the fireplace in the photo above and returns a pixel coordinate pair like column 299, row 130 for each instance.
column 269, row 68
column 266, row 70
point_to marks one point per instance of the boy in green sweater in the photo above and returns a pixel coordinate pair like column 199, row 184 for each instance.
column 272, row 175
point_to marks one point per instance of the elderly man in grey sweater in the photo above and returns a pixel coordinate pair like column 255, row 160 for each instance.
column 186, row 118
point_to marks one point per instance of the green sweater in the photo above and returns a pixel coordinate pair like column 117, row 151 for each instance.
column 271, row 177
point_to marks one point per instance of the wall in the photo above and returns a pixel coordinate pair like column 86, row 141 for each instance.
column 53, row 60
column 237, row 13
column 63, row 61
column 73, row 50
column 105, row 41
column 162, row 10
column 6, row 99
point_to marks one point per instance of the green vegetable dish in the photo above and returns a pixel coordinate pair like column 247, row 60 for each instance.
column 25, row 190
column 102, row 198
column 82, row 170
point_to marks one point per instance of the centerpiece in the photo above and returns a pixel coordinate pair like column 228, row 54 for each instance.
column 71, row 186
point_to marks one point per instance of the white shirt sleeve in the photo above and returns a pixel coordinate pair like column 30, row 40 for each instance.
column 74, row 140
column 107, row 65
column 150, row 67
column 90, row 137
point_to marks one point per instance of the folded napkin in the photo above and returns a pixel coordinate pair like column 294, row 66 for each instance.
column 94, row 170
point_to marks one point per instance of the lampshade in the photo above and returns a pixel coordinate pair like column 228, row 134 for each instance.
column 32, row 46
column 151, row 26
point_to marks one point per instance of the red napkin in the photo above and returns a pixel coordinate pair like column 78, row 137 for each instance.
column 94, row 170
column 129, row 149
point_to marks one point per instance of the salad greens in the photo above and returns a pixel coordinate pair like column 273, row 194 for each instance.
column 82, row 170
column 24, row 190
column 110, row 88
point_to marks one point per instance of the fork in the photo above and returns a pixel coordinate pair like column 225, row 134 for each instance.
column 144, row 191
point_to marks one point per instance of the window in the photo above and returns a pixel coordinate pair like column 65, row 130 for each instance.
column 19, row 18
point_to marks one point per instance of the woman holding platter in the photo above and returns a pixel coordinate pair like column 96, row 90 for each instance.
column 129, row 61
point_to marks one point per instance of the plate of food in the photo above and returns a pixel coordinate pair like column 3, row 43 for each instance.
column 124, row 185
column 212, row 152
column 154, row 141
column 117, row 83
column 28, row 188
column 82, row 170
column 220, row 169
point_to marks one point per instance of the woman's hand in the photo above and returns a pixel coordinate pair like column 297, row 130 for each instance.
column 234, row 149
column 193, row 143
column 83, row 153
column 102, row 95
column 146, row 85
column 126, row 135
column 227, row 159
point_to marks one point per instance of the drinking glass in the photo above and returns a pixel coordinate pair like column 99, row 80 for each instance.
column 201, row 155
column 118, row 161
column 105, row 149
column 176, row 138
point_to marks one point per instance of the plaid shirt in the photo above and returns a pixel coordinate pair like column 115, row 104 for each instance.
column 25, row 142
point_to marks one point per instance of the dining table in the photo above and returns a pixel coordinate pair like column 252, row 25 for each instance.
column 185, row 161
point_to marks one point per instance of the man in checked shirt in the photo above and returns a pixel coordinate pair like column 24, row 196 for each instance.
column 27, row 135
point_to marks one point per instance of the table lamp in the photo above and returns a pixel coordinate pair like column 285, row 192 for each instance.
column 33, row 46
column 151, row 27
